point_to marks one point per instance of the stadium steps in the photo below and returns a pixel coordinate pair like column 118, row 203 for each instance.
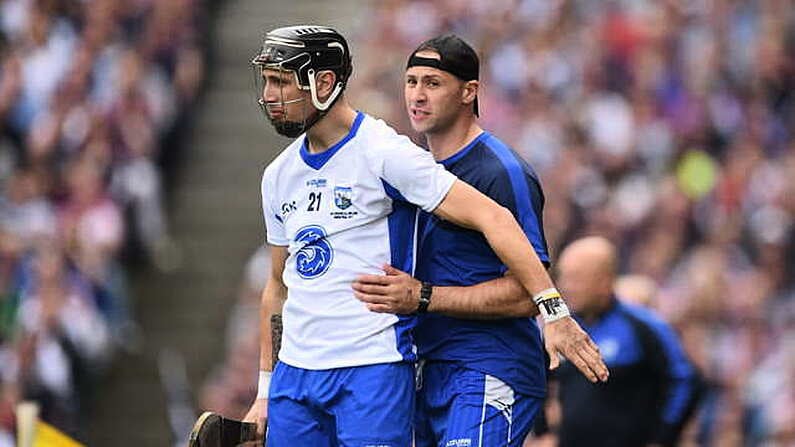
column 216, row 222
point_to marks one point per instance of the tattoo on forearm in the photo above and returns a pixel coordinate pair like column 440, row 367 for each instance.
column 276, row 337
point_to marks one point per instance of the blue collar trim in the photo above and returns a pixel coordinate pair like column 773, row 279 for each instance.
column 460, row 154
column 317, row 161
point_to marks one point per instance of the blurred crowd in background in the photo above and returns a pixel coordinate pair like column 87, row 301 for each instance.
column 93, row 96
column 666, row 126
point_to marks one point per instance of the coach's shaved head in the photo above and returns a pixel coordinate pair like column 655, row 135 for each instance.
column 586, row 272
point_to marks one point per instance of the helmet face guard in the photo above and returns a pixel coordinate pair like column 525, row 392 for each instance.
column 303, row 52
column 286, row 125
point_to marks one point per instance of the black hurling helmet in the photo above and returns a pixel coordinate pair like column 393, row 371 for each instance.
column 303, row 50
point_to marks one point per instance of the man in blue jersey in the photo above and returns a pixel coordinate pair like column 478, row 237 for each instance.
column 654, row 387
column 483, row 378
column 340, row 201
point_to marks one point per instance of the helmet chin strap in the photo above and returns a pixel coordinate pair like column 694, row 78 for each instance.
column 322, row 106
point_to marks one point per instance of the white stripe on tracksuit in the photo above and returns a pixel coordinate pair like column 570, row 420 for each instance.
column 500, row 396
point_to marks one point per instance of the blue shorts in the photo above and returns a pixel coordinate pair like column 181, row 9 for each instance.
column 460, row 407
column 363, row 406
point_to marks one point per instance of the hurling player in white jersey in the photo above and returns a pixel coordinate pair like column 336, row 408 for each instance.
column 342, row 200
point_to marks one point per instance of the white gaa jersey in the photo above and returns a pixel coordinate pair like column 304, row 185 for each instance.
column 343, row 213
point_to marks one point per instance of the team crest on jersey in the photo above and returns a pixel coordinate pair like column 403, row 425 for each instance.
column 315, row 253
column 343, row 196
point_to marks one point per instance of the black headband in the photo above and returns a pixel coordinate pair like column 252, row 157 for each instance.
column 457, row 70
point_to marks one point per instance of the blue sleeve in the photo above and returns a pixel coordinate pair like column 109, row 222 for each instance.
column 679, row 373
column 516, row 188
column 680, row 380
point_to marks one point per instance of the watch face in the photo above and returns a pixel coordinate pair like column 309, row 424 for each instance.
column 425, row 291
column 425, row 297
column 423, row 307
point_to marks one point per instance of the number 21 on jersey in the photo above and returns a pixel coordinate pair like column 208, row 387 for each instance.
column 314, row 201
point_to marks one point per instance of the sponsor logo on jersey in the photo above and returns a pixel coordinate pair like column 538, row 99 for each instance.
column 343, row 196
column 288, row 207
column 315, row 254
column 316, row 183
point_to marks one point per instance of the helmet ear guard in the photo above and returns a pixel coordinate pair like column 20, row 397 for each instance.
column 323, row 106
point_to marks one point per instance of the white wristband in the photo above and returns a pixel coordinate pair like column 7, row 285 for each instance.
column 545, row 295
column 264, row 384
column 551, row 305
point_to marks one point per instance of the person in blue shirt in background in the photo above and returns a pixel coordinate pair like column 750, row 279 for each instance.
column 483, row 375
column 653, row 387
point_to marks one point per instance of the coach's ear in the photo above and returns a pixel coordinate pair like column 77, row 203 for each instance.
column 469, row 92
column 324, row 84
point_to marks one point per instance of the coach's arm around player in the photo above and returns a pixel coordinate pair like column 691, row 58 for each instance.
column 397, row 292
column 273, row 296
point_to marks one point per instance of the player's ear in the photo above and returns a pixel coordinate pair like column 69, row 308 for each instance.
column 469, row 91
column 324, row 83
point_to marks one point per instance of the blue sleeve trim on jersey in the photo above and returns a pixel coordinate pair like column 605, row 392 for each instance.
column 402, row 223
column 392, row 192
column 526, row 215
column 317, row 161
column 680, row 373
column 460, row 154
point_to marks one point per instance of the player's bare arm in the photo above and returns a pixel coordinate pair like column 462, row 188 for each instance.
column 399, row 293
column 273, row 296
column 467, row 207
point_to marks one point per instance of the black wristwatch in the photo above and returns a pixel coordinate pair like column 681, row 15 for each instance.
column 425, row 298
